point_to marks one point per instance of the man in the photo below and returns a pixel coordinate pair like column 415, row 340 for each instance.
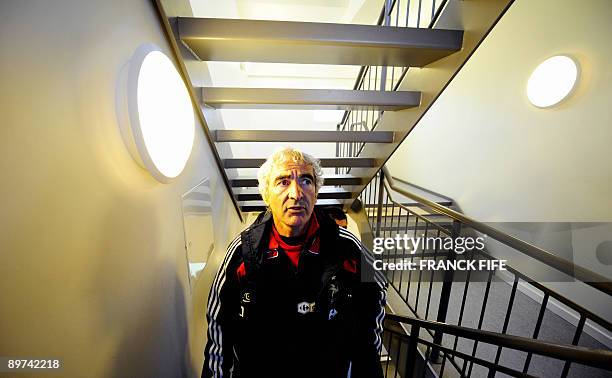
column 289, row 300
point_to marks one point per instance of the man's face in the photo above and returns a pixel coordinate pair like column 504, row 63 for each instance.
column 292, row 196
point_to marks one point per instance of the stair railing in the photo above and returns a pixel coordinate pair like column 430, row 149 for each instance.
column 394, row 13
column 408, row 363
column 380, row 207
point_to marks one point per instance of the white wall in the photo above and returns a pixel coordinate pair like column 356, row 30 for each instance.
column 503, row 160
column 499, row 157
column 92, row 261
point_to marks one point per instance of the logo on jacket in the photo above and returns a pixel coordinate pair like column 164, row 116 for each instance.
column 271, row 254
column 305, row 307
column 246, row 297
column 332, row 314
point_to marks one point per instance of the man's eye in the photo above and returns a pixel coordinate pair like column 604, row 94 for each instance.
column 306, row 181
column 283, row 182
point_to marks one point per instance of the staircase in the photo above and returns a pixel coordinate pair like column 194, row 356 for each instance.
column 410, row 39
column 316, row 43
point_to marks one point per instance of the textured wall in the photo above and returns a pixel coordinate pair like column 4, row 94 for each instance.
column 92, row 260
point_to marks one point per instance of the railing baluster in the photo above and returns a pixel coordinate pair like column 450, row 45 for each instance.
column 431, row 277
column 391, row 231
column 407, row 12
column 416, row 306
column 397, row 357
column 386, row 214
column 462, row 309
column 374, row 204
column 404, row 256
column 536, row 330
column 388, row 355
column 397, row 13
column 575, row 341
column 412, row 253
column 443, row 364
column 480, row 320
column 447, row 286
column 386, row 230
column 381, row 188
column 412, row 351
column 433, row 10
column 506, row 321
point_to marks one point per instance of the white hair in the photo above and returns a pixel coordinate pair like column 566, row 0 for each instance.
column 281, row 156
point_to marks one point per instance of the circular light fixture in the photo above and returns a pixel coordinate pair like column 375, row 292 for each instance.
column 552, row 81
column 155, row 113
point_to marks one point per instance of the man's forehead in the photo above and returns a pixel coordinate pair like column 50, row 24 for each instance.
column 289, row 168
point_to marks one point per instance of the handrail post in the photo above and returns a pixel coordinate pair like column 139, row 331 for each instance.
column 337, row 148
column 411, row 356
column 381, row 188
column 445, row 293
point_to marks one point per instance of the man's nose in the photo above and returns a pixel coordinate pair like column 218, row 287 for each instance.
column 295, row 191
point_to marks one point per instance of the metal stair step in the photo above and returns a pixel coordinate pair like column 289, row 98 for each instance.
column 330, row 180
column 249, row 206
column 286, row 98
column 240, row 40
column 325, row 162
column 252, row 194
column 302, row 136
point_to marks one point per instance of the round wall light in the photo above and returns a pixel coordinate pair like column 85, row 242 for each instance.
column 552, row 81
column 155, row 113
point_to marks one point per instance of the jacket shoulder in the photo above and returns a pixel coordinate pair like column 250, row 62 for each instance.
column 233, row 255
column 350, row 242
column 357, row 250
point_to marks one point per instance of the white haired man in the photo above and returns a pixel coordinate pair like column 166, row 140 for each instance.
column 289, row 299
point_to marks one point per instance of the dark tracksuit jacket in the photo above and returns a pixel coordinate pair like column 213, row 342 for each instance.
column 267, row 318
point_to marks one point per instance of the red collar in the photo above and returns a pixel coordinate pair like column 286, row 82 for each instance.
column 277, row 242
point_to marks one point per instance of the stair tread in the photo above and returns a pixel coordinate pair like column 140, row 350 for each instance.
column 325, row 162
column 324, row 193
column 248, row 206
column 338, row 179
column 323, row 189
column 289, row 98
column 303, row 136
column 241, row 40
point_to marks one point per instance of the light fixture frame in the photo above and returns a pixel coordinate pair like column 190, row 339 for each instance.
column 568, row 94
column 128, row 112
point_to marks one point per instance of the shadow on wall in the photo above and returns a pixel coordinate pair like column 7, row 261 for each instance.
column 157, row 346
column 141, row 305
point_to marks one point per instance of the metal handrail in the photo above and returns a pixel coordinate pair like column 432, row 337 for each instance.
column 587, row 276
column 395, row 178
column 599, row 358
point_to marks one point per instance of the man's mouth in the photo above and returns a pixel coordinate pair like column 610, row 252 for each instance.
column 296, row 208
